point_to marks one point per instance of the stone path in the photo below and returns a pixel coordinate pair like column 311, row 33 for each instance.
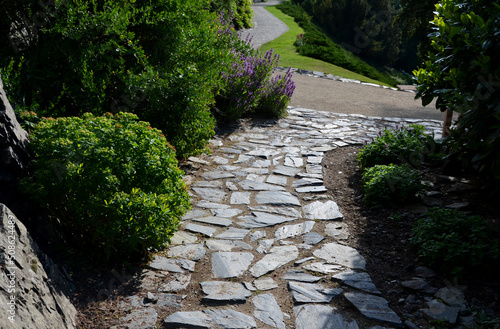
column 270, row 242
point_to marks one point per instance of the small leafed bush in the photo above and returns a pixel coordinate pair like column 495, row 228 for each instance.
column 112, row 182
column 276, row 95
column 455, row 243
column 403, row 145
column 384, row 184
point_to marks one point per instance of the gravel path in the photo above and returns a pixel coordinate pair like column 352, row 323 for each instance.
column 335, row 96
column 266, row 27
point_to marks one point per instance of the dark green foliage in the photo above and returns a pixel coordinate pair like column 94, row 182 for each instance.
column 160, row 60
column 364, row 27
column 111, row 183
column 402, row 145
column 463, row 73
column 457, row 244
column 385, row 184
column 320, row 46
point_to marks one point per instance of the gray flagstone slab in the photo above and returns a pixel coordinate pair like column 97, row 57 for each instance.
column 289, row 231
column 183, row 237
column 311, row 189
column 263, row 219
column 299, row 275
column 328, row 210
column 195, row 319
column 204, row 183
column 213, row 175
column 249, row 185
column 230, row 150
column 264, row 153
column 233, row 233
column 286, row 171
column 226, row 245
column 313, row 316
column 277, row 257
column 314, row 159
column 256, row 178
column 244, row 159
column 265, row 284
column 219, row 221
column 313, row 238
column 180, row 282
column 177, row 265
column 338, row 231
column 294, row 161
column 342, row 255
column 195, row 213
column 231, row 186
column 226, row 213
column 230, row 264
column 307, row 182
column 220, row 160
column 257, row 235
column 188, row 251
column 314, row 169
column 277, row 198
column 211, row 205
column 277, row 180
column 358, row 280
column 261, row 164
column 224, row 291
column 286, row 211
column 140, row 318
column 264, row 245
column 268, row 311
column 210, row 194
column 205, row 230
column 230, row 319
column 240, row 198
column 373, row 307
column 323, row 268
column 303, row 292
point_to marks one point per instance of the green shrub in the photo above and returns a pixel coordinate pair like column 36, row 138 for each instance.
column 462, row 72
column 455, row 243
column 111, row 182
column 240, row 11
column 276, row 95
column 385, row 184
column 158, row 59
column 402, row 145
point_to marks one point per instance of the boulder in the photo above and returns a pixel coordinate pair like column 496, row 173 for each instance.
column 33, row 290
column 14, row 154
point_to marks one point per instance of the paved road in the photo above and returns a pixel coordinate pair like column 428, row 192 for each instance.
column 335, row 96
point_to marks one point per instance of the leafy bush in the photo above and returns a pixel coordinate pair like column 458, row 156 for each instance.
column 159, row 59
column 249, row 87
column 320, row 46
column 455, row 243
column 384, row 184
column 463, row 72
column 276, row 96
column 402, row 145
column 111, row 182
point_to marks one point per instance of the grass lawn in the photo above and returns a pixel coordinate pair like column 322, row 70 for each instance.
column 289, row 56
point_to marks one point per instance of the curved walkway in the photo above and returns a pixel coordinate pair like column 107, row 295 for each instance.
column 264, row 245
column 336, row 96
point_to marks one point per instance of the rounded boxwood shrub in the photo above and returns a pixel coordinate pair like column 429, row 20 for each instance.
column 455, row 243
column 111, row 183
column 402, row 145
column 384, row 184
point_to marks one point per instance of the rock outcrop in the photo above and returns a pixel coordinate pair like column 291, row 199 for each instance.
column 14, row 155
column 33, row 290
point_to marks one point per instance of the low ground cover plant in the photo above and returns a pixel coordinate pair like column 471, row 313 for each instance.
column 386, row 184
column 111, row 183
column 455, row 243
column 402, row 145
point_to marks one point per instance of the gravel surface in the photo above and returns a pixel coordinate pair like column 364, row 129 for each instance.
column 335, row 96
column 266, row 26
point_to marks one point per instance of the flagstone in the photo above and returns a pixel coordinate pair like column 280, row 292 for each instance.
column 219, row 221
column 230, row 264
column 277, row 257
column 342, row 255
column 277, row 198
column 268, row 311
column 226, row 245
